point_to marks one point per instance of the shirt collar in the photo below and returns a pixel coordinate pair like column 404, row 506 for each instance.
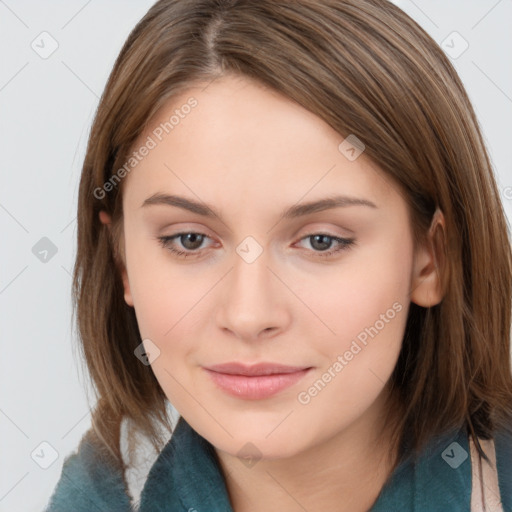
column 439, row 479
column 187, row 476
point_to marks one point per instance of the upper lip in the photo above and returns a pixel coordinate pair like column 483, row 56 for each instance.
column 235, row 368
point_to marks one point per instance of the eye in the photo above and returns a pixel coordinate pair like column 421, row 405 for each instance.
column 322, row 241
column 192, row 241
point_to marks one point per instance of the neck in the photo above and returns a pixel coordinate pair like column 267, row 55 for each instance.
column 344, row 473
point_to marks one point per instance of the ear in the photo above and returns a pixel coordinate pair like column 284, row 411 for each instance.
column 106, row 220
column 429, row 261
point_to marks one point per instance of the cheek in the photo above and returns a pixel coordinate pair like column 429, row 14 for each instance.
column 357, row 361
column 357, row 295
column 364, row 306
column 164, row 294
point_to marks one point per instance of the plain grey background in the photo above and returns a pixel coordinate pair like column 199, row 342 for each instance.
column 55, row 60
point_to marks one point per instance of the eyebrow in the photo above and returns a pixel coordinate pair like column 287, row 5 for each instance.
column 297, row 210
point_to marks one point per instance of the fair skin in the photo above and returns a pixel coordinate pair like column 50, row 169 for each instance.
column 252, row 153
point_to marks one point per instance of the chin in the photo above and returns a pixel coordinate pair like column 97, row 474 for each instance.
column 258, row 440
column 253, row 450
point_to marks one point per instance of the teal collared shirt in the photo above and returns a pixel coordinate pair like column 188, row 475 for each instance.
column 187, row 478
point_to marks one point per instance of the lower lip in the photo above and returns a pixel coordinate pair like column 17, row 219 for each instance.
column 257, row 387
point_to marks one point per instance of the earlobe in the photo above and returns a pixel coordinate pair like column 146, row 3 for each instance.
column 429, row 262
column 126, row 285
column 105, row 218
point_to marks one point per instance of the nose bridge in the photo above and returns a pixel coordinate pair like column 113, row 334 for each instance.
column 251, row 280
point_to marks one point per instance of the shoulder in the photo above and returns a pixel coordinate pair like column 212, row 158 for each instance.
column 503, row 448
column 89, row 480
column 492, row 480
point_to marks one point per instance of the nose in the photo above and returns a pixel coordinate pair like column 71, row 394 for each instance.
column 253, row 301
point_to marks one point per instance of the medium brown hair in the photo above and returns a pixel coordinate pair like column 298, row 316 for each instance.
column 367, row 69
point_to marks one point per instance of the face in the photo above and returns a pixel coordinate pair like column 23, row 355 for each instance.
column 265, row 279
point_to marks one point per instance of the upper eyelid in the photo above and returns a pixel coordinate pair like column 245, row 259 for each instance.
column 317, row 227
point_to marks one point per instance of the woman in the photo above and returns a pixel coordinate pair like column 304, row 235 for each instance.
column 289, row 229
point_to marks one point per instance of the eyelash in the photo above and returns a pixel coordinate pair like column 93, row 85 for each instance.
column 344, row 244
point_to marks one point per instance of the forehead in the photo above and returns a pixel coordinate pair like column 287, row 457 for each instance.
column 235, row 139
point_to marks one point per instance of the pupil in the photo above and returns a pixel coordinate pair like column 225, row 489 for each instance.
column 192, row 237
column 324, row 241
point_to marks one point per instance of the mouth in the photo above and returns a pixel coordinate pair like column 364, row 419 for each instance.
column 255, row 382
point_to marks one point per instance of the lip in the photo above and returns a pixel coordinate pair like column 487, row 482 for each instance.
column 255, row 382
